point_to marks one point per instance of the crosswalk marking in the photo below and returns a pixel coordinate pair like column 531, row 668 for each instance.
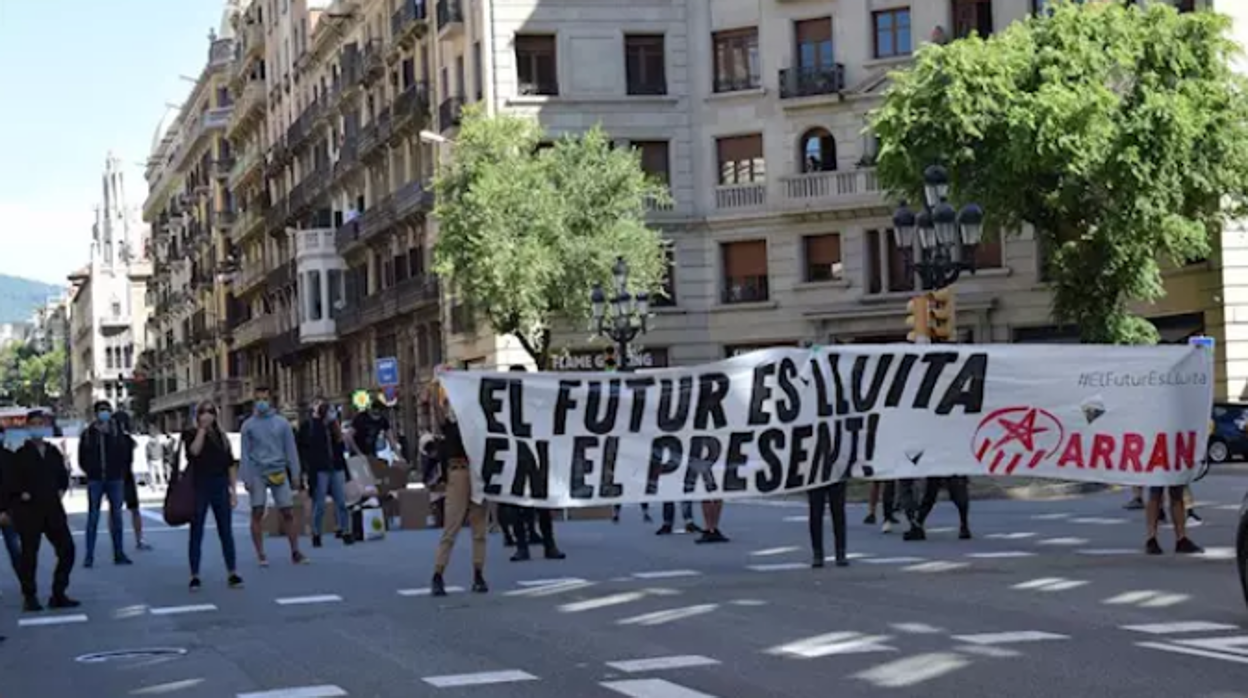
column 1237, row 645
column 633, row 666
column 300, row 692
column 909, row 671
column 305, row 600
column 1147, row 598
column 1107, row 552
column 1048, row 584
column 893, row 560
column 833, row 643
column 1194, row 651
column 1001, row 554
column 1098, row 520
column 548, row 582
column 1009, row 638
column 1050, row 517
column 669, row 615
column 179, row 610
column 1180, row 627
column 426, row 591
column 936, row 566
column 480, row 678
column 652, row 688
column 778, row 566
column 1063, row 541
column 1019, row 535
column 768, row 552
column 52, row 620
column 666, row 574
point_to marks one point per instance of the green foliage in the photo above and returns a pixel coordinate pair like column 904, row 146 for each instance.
column 31, row 378
column 524, row 233
column 1119, row 133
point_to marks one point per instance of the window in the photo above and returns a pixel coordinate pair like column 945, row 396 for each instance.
column 535, row 64
column 892, row 32
column 129, row 356
column 667, row 298
column 813, row 38
column 886, row 269
column 116, row 309
column 654, row 159
column 818, row 151
column 989, row 254
column 478, row 79
column 645, row 70
column 823, row 257
column 972, row 16
column 741, row 159
column 745, row 271
column 736, row 60
column 316, row 310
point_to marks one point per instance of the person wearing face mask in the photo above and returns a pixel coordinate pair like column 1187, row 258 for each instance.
column 458, row 502
column 366, row 428
column 105, row 458
column 210, row 465
column 12, row 542
column 31, row 496
column 270, row 466
column 321, row 450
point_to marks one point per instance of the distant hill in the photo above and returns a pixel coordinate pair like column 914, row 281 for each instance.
column 20, row 297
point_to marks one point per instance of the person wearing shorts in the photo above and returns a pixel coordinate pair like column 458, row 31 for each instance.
column 270, row 468
column 1178, row 514
column 131, row 497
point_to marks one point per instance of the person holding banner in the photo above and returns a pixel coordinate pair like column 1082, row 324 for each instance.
column 458, row 502
column 522, row 519
column 831, row 497
column 1178, row 515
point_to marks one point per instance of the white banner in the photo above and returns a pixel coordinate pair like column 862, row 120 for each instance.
column 785, row 420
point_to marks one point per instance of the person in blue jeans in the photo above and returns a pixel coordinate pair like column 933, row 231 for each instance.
column 12, row 542
column 106, row 457
column 323, row 455
column 210, row 465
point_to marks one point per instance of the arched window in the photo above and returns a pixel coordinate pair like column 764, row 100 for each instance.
column 817, row 150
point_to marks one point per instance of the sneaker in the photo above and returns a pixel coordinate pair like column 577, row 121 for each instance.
column 61, row 601
column 235, row 581
column 31, row 605
column 437, row 587
column 817, row 561
column 195, row 584
column 143, row 545
column 1135, row 504
column 1193, row 519
column 664, row 530
column 870, row 520
column 263, row 561
column 915, row 533
column 718, row 537
column 691, row 527
column 88, row 563
column 554, row 553
column 842, row 562
column 1152, row 547
column 122, row 560
column 521, row 555
column 1185, row 546
column 316, row 541
column 706, row 537
column 646, row 517
column 478, row 584
column 964, row 533
column 299, row 558
column 348, row 539
column 887, row 527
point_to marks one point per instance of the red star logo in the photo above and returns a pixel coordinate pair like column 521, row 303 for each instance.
column 1024, row 430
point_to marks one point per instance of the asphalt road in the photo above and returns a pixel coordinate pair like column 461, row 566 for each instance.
column 1050, row 599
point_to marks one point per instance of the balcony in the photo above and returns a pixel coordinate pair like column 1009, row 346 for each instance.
column 376, row 219
column 284, row 345
column 113, row 321
column 248, row 103
column 374, row 60
column 449, row 113
column 408, row 22
column 315, row 242
column 370, row 138
column 243, row 167
column 450, row 18
column 416, row 292
column 347, row 234
column 249, row 277
column 745, row 289
column 812, row 82
column 351, row 71
column 836, row 190
column 254, row 330
column 221, row 167
column 349, row 319
column 412, row 199
column 280, row 276
column 730, row 197
column 348, row 155
column 275, row 218
column 411, row 108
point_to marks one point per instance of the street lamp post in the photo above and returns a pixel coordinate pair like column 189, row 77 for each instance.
column 627, row 318
column 946, row 237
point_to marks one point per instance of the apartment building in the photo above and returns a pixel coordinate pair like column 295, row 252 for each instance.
column 192, row 210
column 107, row 313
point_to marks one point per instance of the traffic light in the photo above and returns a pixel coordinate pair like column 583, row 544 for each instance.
column 917, row 320
column 944, row 322
column 609, row 362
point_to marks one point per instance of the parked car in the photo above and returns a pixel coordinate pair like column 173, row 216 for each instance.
column 1230, row 432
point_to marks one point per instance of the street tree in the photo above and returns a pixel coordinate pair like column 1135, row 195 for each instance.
column 1119, row 133
column 525, row 231
column 30, row 377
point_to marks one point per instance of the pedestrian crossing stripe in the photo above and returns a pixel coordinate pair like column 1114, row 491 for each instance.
column 1180, row 627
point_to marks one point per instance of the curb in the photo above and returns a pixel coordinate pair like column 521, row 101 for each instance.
column 1055, row 491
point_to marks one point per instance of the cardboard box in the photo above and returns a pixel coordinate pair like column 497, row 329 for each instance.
column 414, row 508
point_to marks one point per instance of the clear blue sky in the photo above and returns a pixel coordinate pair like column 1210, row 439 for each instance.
column 81, row 77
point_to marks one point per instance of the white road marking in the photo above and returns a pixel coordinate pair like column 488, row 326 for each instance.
column 1050, row 517
column 1010, row 536
column 302, row 692
column 1009, row 638
column 1179, row 649
column 935, row 566
column 1063, row 541
column 1001, row 555
column 1227, row 507
column 602, row 602
column 748, row 603
column 179, row 610
column 548, row 582
column 833, row 643
column 669, row 615
column 893, row 560
column 1225, row 553
column 482, row 678
column 778, row 566
column 1190, row 626
column 768, row 552
column 1106, row 552
column 1147, row 598
column 152, row 516
column 916, row 628
column 796, row 519
column 666, row 574
column 1237, row 645
column 1098, row 521
column 633, row 666
column 305, row 600
column 1050, row 584
column 52, row 620
column 426, row 591
column 652, row 688
column 913, row 670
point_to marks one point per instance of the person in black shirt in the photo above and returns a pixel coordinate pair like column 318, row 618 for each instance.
column 458, row 503
column 324, row 460
column 7, row 531
column 33, row 487
column 366, row 427
column 522, row 519
column 210, row 465
column 105, row 457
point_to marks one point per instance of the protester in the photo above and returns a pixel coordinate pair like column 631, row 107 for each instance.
column 154, row 452
column 1178, row 514
column 324, row 459
column 645, row 513
column 210, row 465
column 669, row 518
column 523, row 519
column 832, row 498
column 7, row 531
column 712, row 510
column 270, row 466
column 131, row 492
column 959, row 491
column 36, row 481
column 105, row 458
column 367, row 428
column 458, row 502
column 887, row 491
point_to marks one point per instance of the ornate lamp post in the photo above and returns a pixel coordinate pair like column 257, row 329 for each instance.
column 627, row 318
column 946, row 237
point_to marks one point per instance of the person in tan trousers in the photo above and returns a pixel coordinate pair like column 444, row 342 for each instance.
column 458, row 502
